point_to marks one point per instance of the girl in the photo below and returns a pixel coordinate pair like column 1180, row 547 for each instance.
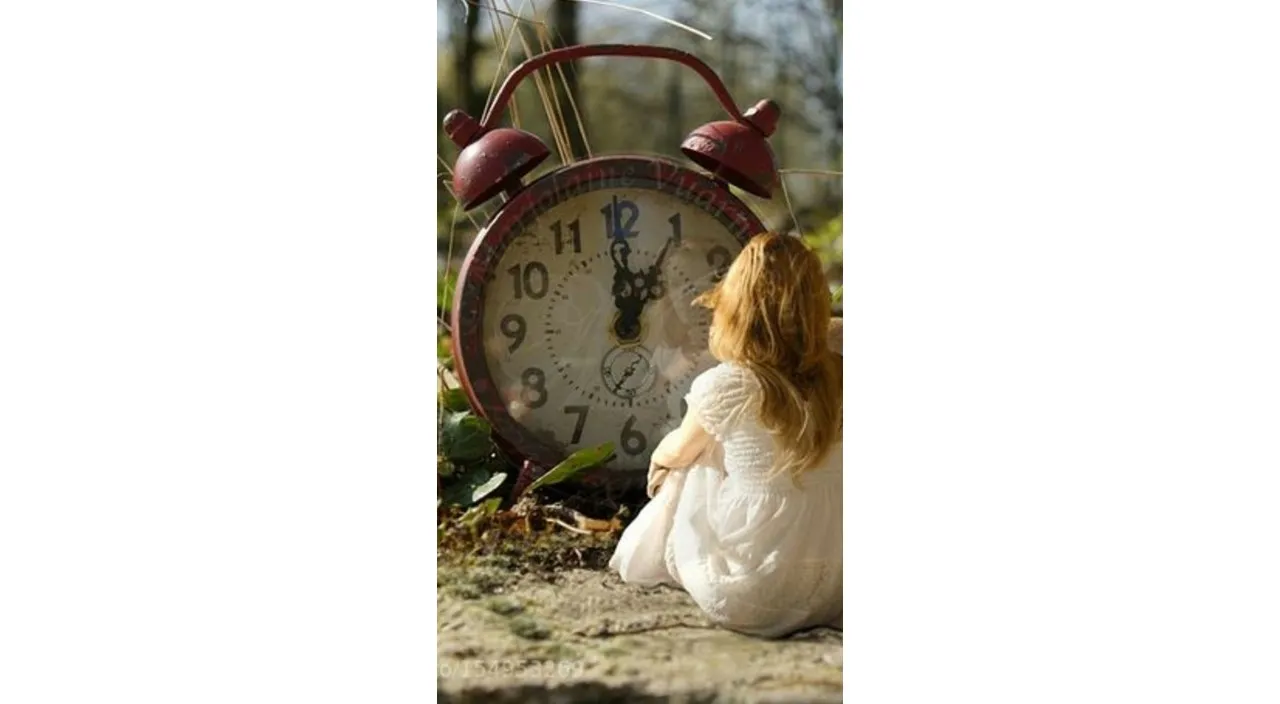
column 746, row 509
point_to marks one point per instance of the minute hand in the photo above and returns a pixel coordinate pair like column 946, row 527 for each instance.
column 653, row 275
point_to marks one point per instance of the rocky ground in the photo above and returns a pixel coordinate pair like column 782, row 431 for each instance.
column 544, row 622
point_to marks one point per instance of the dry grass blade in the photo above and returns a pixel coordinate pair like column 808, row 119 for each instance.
column 501, row 69
column 449, row 188
column 557, row 130
column 550, row 100
column 573, row 103
column 786, row 196
column 491, row 8
column 564, row 80
column 654, row 15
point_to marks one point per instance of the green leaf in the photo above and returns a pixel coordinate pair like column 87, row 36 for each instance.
column 465, row 438
column 837, row 294
column 479, row 512
column 488, row 487
column 458, row 490
column 490, row 506
column 578, row 462
column 455, row 400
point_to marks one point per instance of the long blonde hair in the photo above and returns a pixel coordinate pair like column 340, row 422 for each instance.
column 771, row 314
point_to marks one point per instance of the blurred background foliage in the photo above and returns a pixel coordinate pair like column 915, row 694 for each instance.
column 787, row 50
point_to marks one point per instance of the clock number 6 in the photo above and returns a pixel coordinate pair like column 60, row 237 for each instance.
column 534, row 393
column 524, row 282
column 633, row 441
column 581, row 411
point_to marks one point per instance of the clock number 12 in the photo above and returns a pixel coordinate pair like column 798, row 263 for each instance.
column 619, row 217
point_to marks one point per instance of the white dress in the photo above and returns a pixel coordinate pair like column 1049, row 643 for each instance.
column 759, row 555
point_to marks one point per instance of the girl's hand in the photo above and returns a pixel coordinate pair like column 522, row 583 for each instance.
column 657, row 475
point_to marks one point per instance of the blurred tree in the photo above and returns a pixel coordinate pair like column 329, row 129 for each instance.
column 466, row 50
column 564, row 27
column 813, row 53
column 788, row 50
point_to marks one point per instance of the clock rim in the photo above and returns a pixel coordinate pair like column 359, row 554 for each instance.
column 467, row 341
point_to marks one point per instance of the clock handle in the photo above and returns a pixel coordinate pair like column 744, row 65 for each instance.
column 571, row 53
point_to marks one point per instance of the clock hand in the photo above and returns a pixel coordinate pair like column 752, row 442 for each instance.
column 654, row 284
column 631, row 369
column 627, row 296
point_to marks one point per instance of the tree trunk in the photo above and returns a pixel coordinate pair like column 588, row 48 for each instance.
column 466, row 49
column 564, row 28
column 675, row 107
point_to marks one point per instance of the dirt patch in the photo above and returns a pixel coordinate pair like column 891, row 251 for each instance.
column 541, row 620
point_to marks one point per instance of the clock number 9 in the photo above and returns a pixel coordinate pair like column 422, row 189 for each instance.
column 633, row 441
column 534, row 393
column 524, row 281
column 513, row 326
column 718, row 259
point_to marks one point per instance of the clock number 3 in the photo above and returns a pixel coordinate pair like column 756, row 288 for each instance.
column 534, row 393
column 525, row 281
column 633, row 441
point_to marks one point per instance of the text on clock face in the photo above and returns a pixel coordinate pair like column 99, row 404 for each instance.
column 590, row 331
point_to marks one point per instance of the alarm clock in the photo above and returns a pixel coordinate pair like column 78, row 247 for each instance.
column 573, row 318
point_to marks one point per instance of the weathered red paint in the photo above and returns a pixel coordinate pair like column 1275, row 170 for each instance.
column 514, row 217
column 490, row 162
column 494, row 159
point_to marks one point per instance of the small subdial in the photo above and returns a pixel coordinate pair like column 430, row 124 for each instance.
column 628, row 371
column 579, row 338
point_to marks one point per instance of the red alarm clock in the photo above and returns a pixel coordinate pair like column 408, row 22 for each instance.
column 573, row 321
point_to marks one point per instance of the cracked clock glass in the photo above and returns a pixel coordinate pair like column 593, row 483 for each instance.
column 589, row 329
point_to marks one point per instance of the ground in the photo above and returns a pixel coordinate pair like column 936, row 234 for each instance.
column 541, row 620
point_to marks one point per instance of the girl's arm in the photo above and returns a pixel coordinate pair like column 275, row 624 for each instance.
column 683, row 445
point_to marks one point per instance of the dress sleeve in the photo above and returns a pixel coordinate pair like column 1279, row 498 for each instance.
column 719, row 397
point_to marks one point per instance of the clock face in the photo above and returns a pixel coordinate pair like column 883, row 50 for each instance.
column 584, row 327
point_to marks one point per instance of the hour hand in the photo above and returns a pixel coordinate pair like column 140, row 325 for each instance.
column 623, row 278
column 628, row 293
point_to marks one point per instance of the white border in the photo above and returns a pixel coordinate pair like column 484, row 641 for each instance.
column 1062, row 309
